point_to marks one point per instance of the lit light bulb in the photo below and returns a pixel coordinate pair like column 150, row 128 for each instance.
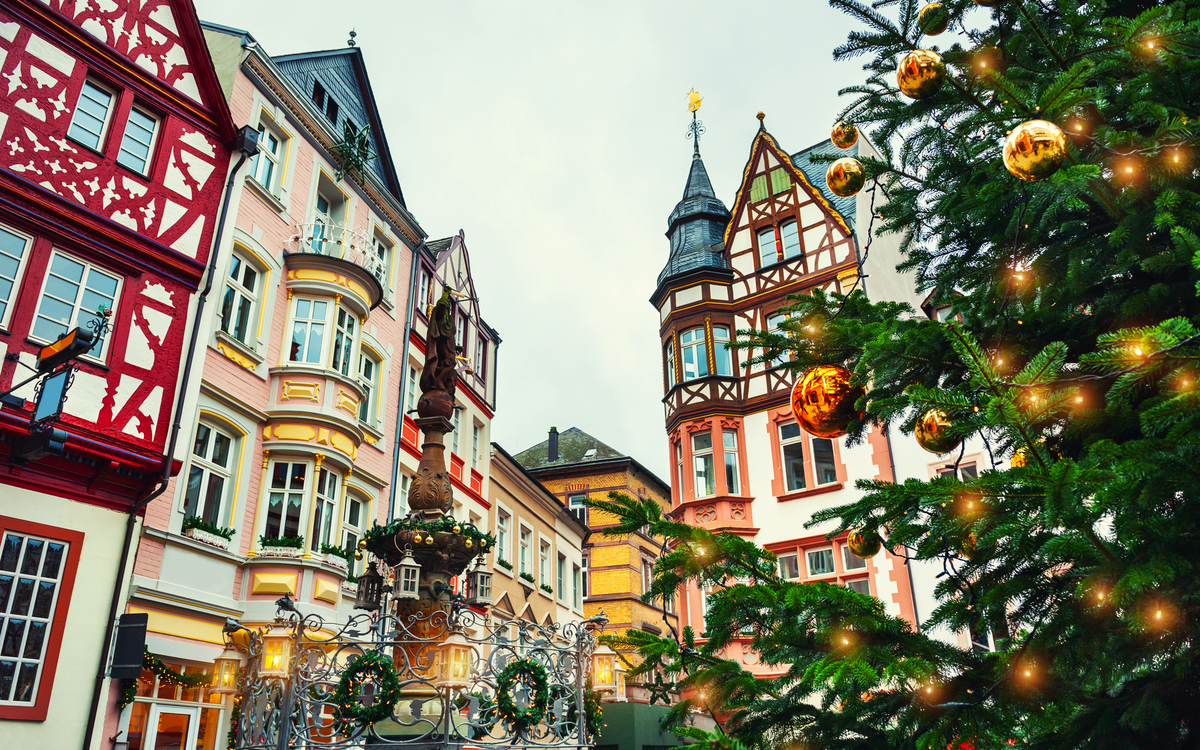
column 1079, row 399
column 846, row 640
column 1137, row 350
column 1150, row 45
column 999, row 361
column 1158, row 615
column 1129, row 169
column 1027, row 673
column 929, row 690
column 1100, row 595
column 1079, row 126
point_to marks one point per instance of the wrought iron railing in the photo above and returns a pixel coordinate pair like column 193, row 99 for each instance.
column 337, row 240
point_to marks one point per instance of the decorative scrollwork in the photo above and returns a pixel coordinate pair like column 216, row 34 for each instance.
column 737, row 511
column 706, row 514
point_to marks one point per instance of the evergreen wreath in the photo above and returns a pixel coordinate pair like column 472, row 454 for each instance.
column 536, row 675
column 348, row 710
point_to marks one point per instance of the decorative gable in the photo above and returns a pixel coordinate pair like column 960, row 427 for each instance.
column 145, row 31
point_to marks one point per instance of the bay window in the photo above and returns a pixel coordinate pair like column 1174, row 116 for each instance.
column 74, row 294
column 343, row 341
column 308, row 331
column 285, row 499
column 679, row 470
column 324, row 505
column 702, row 459
column 670, row 358
column 241, row 298
column 729, row 441
column 721, row 351
column 695, row 354
column 209, row 474
column 791, row 444
column 353, row 528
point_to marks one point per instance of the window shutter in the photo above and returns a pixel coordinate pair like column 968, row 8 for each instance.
column 128, row 648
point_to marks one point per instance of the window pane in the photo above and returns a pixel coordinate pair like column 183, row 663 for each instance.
column 789, row 431
column 11, row 552
column 790, row 234
column 789, row 567
column 767, row 251
column 852, row 561
column 823, row 464
column 702, row 441
column 704, row 476
column 860, row 585
column 820, row 562
column 793, row 466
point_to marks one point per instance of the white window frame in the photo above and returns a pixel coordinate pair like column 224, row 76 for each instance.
column 402, row 506
column 19, row 275
column 784, row 443
column 773, row 326
column 731, row 453
column 476, row 432
column 321, row 349
column 456, row 427
column 352, row 533
column 767, row 252
column 210, row 469
column 545, row 552
column 504, row 538
column 524, row 549
column 808, row 562
column 859, row 579
column 325, row 508
column 694, row 342
column 78, row 303
column 672, row 378
column 370, row 385
column 812, row 452
column 104, row 125
column 577, row 586
column 412, row 388
column 795, row 562
column 285, row 492
column 383, row 249
column 699, row 454
column 236, row 291
column 560, row 577
column 125, row 136
column 722, row 354
column 852, row 562
column 273, row 159
column 345, row 341
column 577, row 508
column 423, row 293
column 790, row 250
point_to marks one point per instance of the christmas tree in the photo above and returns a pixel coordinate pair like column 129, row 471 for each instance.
column 1041, row 166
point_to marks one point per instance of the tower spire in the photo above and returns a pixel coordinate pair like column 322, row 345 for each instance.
column 696, row 129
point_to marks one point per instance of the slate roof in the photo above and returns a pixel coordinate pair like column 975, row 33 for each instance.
column 815, row 171
column 696, row 226
column 343, row 75
column 573, row 445
column 437, row 247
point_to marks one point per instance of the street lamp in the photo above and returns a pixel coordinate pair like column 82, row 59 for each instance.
column 456, row 653
column 409, row 576
column 370, row 589
column 621, row 670
column 479, row 584
column 225, row 671
column 604, row 669
column 276, row 652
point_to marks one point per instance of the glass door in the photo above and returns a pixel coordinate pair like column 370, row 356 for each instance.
column 154, row 726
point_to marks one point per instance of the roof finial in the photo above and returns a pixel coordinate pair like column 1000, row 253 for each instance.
column 696, row 129
column 761, row 125
column 350, row 42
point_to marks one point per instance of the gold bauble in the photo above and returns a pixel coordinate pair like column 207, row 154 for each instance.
column 457, row 529
column 429, row 539
column 921, row 73
column 362, row 544
column 823, row 400
column 844, row 135
column 1035, row 150
column 863, row 543
column 417, row 538
column 931, row 432
column 467, row 544
column 933, row 19
column 845, row 177
column 357, row 555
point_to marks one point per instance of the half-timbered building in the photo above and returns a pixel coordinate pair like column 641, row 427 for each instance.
column 739, row 461
column 113, row 156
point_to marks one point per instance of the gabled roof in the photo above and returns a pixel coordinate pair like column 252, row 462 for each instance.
column 816, row 176
column 696, row 226
column 343, row 75
column 573, row 447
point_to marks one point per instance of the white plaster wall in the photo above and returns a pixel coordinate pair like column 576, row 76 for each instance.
column 206, row 577
column 82, row 644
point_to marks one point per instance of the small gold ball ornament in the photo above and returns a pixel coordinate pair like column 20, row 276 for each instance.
column 864, row 544
column 467, row 544
column 362, row 544
column 844, row 135
column 921, row 73
column 457, row 529
column 358, row 555
column 845, row 177
column 823, row 400
column 429, row 539
column 933, row 19
column 1035, row 150
column 417, row 538
column 932, row 432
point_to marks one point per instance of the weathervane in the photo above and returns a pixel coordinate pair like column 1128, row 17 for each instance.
column 696, row 129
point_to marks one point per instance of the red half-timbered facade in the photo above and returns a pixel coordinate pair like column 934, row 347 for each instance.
column 739, row 461
column 113, row 157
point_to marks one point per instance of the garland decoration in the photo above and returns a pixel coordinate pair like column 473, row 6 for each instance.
column 535, row 675
column 348, row 709
column 152, row 663
column 377, row 534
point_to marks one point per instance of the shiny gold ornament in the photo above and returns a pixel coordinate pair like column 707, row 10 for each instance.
column 969, row 547
column 844, row 135
column 921, row 73
column 467, row 544
column 823, row 400
column 933, row 19
column 845, row 177
column 457, row 529
column 358, row 555
column 362, row 544
column 417, row 538
column 863, row 543
column 931, row 432
column 429, row 539
column 1035, row 150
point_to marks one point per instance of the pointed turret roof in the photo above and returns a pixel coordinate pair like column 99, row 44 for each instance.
column 697, row 226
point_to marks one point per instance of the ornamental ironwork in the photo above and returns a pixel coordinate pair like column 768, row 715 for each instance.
column 302, row 710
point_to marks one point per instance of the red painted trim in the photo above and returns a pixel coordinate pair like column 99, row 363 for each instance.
column 37, row 712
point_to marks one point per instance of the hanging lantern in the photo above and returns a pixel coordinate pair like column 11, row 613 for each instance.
column 604, row 669
column 225, row 671
column 823, row 400
column 277, row 651
column 479, row 585
column 456, row 654
column 370, row 589
column 1035, row 150
column 921, row 73
column 409, row 577
column 932, row 432
column 620, row 696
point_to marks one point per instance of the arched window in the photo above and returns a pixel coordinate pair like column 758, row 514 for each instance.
column 695, row 354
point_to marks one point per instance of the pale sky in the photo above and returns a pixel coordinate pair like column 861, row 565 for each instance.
column 553, row 133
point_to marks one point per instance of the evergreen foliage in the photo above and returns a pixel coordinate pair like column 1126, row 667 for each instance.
column 1072, row 353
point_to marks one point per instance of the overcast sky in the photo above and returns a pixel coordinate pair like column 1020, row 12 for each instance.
column 553, row 133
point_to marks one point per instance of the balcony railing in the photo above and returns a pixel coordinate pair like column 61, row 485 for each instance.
column 336, row 240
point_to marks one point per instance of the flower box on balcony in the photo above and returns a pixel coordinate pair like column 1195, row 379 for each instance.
column 213, row 540
column 280, row 552
column 336, row 561
column 282, row 547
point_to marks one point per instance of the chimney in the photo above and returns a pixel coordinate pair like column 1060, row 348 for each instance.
column 552, row 452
